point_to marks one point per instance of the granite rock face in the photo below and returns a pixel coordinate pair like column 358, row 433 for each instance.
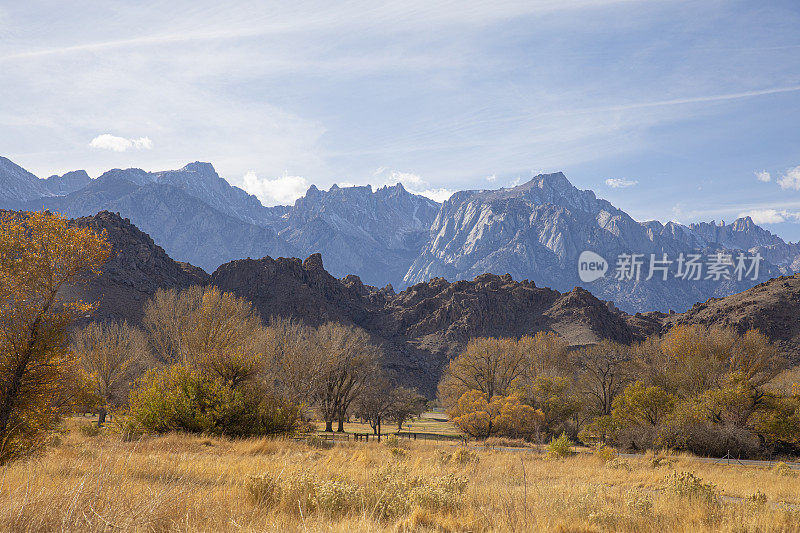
column 395, row 239
column 539, row 229
column 375, row 234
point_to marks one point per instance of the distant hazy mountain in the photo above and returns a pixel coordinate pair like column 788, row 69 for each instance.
column 17, row 185
column 376, row 234
column 175, row 214
column 534, row 231
column 69, row 182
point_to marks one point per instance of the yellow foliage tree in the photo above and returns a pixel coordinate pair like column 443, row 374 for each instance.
column 212, row 330
column 491, row 366
column 477, row 416
column 40, row 256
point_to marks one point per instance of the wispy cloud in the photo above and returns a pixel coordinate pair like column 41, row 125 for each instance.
column 790, row 179
column 106, row 141
column 764, row 176
column 771, row 216
column 620, row 183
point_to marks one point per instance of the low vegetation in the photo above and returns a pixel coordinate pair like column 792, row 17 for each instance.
column 206, row 483
column 709, row 391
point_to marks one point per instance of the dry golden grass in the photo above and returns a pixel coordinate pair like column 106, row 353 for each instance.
column 191, row 483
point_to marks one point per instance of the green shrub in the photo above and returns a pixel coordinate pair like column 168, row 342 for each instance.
column 560, row 447
column 180, row 399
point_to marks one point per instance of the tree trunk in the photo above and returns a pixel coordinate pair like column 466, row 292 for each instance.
column 101, row 416
column 340, row 427
column 329, row 425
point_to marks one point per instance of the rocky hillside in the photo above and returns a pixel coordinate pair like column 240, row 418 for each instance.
column 136, row 269
column 423, row 326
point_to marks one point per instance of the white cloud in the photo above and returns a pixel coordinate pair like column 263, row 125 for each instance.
column 437, row 195
column 771, row 216
column 114, row 143
column 386, row 176
column 763, row 176
column 791, row 179
column 279, row 191
column 620, row 183
column 493, row 177
column 414, row 183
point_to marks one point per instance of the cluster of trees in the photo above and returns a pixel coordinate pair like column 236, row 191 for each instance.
column 702, row 389
column 202, row 360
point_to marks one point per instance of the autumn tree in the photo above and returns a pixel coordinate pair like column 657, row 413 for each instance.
column 547, row 354
column 638, row 413
column 349, row 360
column 294, row 363
column 558, row 400
column 489, row 366
column 603, row 368
column 374, row 403
column 41, row 255
column 478, row 416
column 206, row 328
column 112, row 355
column 406, row 404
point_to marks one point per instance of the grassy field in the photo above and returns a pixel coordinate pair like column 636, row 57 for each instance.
column 190, row 483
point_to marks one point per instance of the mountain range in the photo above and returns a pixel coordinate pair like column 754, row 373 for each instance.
column 422, row 327
column 388, row 236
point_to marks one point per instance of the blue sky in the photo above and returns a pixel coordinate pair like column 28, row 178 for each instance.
column 668, row 109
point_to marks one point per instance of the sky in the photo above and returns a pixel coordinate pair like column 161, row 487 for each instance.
column 672, row 110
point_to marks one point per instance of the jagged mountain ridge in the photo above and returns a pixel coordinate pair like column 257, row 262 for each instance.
column 390, row 236
column 187, row 227
column 373, row 233
column 422, row 327
column 419, row 329
column 539, row 229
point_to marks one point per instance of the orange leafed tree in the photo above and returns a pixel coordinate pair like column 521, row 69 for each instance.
column 40, row 255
